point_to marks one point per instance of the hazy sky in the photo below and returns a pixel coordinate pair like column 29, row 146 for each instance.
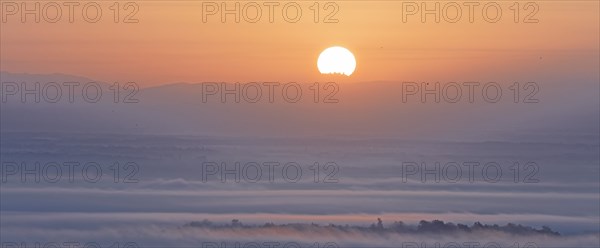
column 171, row 43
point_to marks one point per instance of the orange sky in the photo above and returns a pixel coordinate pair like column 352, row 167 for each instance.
column 172, row 44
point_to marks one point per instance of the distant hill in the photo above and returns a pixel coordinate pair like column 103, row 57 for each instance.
column 370, row 109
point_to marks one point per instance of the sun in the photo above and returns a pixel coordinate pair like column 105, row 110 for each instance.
column 336, row 60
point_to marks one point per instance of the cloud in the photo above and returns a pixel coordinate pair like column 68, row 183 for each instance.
column 396, row 234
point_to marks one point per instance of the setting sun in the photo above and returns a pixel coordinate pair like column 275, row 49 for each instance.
column 336, row 60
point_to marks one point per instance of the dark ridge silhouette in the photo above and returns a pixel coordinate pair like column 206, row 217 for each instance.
column 424, row 227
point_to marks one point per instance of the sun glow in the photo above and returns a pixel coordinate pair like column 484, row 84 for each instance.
column 336, row 60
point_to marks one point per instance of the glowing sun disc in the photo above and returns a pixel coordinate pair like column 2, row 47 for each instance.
column 336, row 60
